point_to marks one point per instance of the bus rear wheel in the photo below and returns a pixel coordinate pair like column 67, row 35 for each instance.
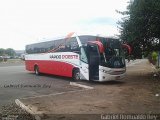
column 36, row 70
column 76, row 75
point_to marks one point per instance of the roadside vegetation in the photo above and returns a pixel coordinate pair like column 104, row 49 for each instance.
column 10, row 55
column 9, row 52
column 140, row 28
column 6, row 53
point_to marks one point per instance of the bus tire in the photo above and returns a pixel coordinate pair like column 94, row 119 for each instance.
column 76, row 75
column 36, row 70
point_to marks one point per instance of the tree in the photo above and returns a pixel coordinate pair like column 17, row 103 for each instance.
column 2, row 51
column 140, row 27
column 10, row 52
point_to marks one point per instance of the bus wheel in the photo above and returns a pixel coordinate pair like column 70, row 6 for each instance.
column 76, row 75
column 36, row 70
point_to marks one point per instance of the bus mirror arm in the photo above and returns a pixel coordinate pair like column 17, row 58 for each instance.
column 78, row 52
column 126, row 46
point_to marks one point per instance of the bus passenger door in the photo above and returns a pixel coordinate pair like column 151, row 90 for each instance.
column 93, row 61
column 84, row 69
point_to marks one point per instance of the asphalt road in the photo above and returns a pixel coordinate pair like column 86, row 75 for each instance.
column 16, row 82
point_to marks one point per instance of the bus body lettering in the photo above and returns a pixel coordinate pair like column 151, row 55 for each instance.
column 69, row 56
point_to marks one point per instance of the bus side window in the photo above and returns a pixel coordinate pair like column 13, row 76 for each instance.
column 60, row 45
column 68, row 46
column 72, row 45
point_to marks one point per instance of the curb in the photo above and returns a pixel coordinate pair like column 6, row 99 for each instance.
column 155, row 71
column 21, row 105
column 80, row 85
column 153, row 66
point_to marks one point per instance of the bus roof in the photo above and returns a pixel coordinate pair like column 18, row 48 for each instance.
column 84, row 37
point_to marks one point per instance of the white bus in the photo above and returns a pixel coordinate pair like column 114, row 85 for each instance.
column 80, row 57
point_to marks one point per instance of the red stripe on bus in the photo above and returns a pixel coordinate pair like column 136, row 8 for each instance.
column 50, row 67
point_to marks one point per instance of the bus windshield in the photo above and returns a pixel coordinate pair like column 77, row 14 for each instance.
column 113, row 53
column 113, row 48
column 113, row 56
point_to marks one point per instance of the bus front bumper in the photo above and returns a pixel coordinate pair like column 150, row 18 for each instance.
column 109, row 77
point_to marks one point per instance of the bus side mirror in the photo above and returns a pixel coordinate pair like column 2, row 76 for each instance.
column 125, row 46
column 99, row 44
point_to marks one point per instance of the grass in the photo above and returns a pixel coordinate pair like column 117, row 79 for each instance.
column 12, row 61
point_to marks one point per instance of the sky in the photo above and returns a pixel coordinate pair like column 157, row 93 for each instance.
column 24, row 22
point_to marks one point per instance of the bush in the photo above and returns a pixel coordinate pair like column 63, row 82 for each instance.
column 153, row 57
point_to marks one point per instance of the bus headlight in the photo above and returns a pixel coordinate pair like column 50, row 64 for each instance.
column 105, row 71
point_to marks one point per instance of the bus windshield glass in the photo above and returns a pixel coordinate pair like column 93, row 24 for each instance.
column 113, row 56
column 113, row 53
column 113, row 48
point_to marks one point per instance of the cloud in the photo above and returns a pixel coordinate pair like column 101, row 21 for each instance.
column 99, row 21
column 27, row 21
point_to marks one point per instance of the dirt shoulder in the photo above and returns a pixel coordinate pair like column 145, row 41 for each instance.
column 12, row 62
column 135, row 94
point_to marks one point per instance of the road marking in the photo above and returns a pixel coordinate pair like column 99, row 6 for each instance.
column 55, row 94
column 80, row 85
